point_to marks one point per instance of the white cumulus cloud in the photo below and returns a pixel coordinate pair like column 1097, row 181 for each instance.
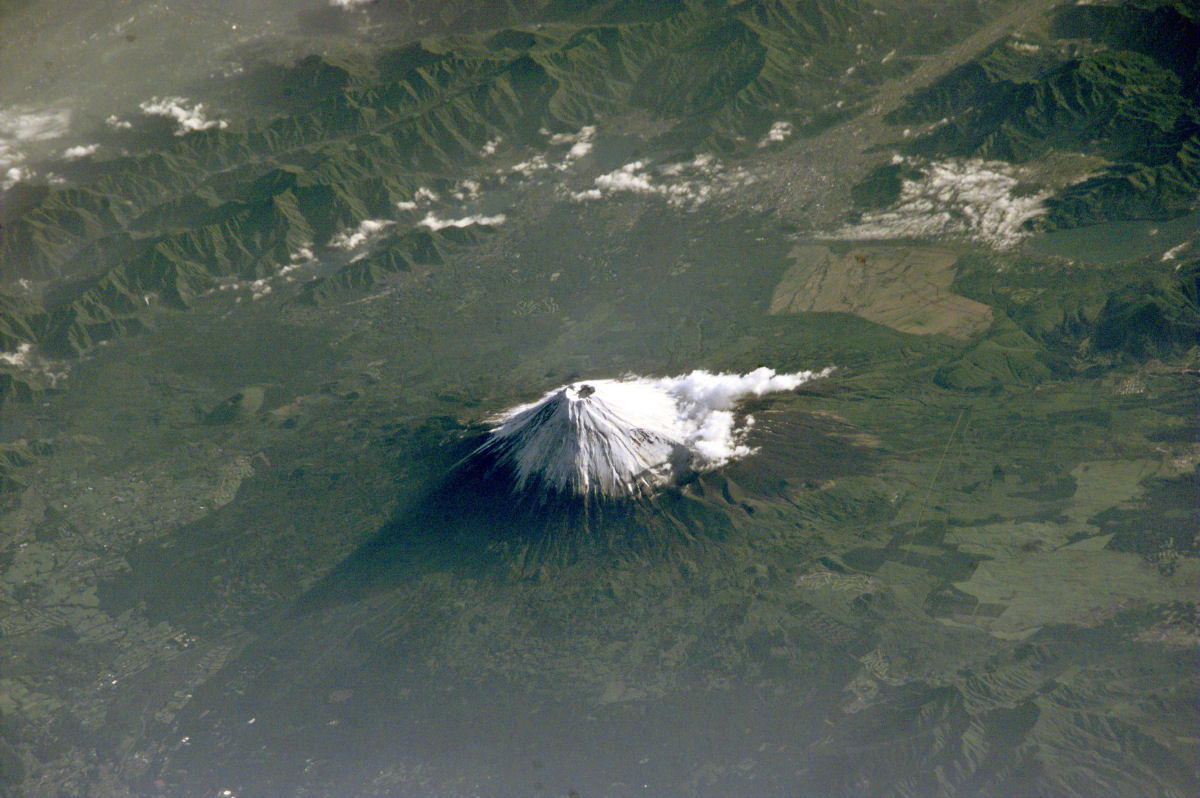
column 686, row 184
column 81, row 151
column 625, row 436
column 434, row 222
column 21, row 128
column 779, row 131
column 367, row 230
column 189, row 117
column 972, row 198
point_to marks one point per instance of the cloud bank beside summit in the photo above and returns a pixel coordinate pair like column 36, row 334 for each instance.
column 631, row 435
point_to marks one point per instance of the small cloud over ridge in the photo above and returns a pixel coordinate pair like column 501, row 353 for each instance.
column 188, row 117
column 434, row 222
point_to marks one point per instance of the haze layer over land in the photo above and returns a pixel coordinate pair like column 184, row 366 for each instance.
column 271, row 272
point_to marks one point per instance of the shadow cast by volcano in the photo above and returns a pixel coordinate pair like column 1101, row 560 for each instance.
column 487, row 519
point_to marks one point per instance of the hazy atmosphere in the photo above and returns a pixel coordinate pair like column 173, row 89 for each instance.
column 617, row 398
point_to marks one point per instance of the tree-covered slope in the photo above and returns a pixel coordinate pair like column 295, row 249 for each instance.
column 336, row 140
column 1120, row 83
column 327, row 141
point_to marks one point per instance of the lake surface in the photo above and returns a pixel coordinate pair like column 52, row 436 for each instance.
column 1118, row 241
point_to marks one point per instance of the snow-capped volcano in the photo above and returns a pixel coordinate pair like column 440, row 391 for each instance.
column 626, row 436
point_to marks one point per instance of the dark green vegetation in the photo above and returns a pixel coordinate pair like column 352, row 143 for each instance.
column 1118, row 82
column 346, row 139
column 882, row 187
column 1158, row 316
column 965, row 564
